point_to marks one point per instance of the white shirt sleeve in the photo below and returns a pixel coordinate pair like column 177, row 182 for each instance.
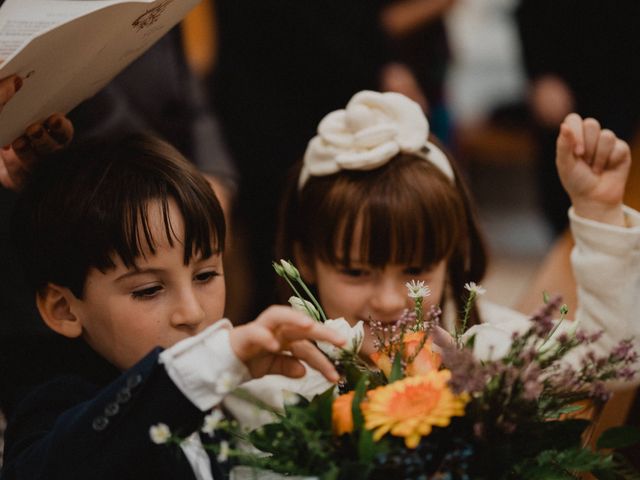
column 204, row 367
column 606, row 264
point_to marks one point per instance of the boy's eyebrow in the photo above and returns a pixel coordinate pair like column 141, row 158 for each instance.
column 137, row 271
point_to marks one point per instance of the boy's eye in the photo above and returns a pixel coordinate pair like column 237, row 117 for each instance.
column 147, row 292
column 204, row 277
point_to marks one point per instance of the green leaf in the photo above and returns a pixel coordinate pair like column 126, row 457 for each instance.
column 323, row 404
column 396, row 369
column 366, row 446
column 360, row 390
column 619, row 437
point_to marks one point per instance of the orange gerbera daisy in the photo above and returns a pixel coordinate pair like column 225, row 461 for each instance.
column 409, row 408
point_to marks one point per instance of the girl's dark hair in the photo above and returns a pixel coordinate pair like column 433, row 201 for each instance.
column 83, row 206
column 410, row 213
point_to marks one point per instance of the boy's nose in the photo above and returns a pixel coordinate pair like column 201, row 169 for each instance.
column 187, row 313
column 388, row 301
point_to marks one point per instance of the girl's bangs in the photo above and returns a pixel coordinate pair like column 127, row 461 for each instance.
column 368, row 219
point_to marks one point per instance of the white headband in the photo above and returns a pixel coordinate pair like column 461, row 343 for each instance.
column 373, row 129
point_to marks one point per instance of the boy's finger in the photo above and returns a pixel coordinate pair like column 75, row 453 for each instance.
column 606, row 142
column 317, row 332
column 308, row 352
column 574, row 122
column 591, row 132
column 288, row 366
column 277, row 317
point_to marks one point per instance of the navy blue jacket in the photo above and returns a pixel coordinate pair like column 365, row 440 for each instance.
column 76, row 428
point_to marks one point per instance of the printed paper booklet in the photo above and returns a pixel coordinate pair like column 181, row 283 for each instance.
column 67, row 50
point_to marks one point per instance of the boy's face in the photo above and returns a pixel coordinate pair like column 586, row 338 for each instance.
column 126, row 312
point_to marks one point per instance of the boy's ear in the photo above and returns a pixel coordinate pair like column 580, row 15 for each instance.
column 302, row 262
column 55, row 307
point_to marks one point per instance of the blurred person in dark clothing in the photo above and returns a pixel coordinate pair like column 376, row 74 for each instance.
column 582, row 56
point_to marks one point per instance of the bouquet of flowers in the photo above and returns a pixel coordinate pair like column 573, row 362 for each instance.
column 459, row 408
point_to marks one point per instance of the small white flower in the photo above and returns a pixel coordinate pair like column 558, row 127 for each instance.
column 289, row 397
column 223, row 454
column 473, row 288
column 211, row 422
column 159, row 433
column 354, row 336
column 227, row 382
column 417, row 289
column 305, row 307
column 289, row 269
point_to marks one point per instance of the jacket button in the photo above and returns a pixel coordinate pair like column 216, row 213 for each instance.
column 100, row 423
column 134, row 381
column 123, row 395
column 111, row 409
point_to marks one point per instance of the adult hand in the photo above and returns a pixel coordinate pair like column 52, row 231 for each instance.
column 40, row 139
column 593, row 165
column 8, row 88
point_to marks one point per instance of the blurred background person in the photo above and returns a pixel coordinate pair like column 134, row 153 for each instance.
column 582, row 56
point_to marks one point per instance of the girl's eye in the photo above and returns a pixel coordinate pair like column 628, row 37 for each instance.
column 204, row 277
column 354, row 272
column 147, row 292
column 415, row 271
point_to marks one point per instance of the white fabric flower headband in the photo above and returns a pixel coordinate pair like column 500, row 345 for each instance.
column 373, row 129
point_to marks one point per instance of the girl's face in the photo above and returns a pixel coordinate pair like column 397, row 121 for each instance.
column 127, row 311
column 361, row 292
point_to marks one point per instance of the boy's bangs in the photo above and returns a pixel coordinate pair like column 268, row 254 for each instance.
column 153, row 181
column 137, row 238
column 410, row 225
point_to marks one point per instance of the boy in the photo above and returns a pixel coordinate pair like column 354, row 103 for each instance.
column 122, row 245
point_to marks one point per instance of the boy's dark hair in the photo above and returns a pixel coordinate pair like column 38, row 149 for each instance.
column 83, row 206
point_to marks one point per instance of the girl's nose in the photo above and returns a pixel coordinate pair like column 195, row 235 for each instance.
column 187, row 312
column 388, row 301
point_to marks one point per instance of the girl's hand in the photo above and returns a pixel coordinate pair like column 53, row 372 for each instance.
column 277, row 341
column 593, row 165
column 39, row 140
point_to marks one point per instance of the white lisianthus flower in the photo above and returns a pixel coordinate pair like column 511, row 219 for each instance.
column 211, row 422
column 223, row 454
column 417, row 289
column 160, row 433
column 354, row 336
column 493, row 340
column 289, row 397
column 474, row 288
column 289, row 269
column 305, row 307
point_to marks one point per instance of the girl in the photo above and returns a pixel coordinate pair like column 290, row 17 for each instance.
column 375, row 204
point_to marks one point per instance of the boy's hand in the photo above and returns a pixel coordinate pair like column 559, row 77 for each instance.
column 261, row 344
column 593, row 165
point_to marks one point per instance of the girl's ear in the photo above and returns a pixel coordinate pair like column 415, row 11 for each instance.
column 304, row 264
column 55, row 306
